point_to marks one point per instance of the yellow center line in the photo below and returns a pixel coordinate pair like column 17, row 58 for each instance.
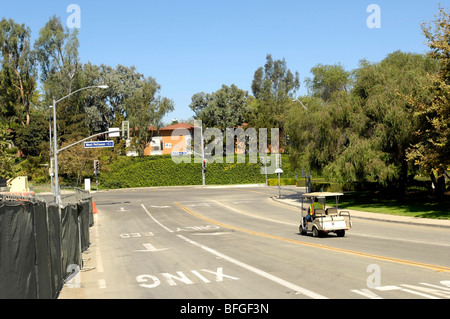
column 320, row 246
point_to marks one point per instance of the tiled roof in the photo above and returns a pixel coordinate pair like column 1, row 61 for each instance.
column 177, row 126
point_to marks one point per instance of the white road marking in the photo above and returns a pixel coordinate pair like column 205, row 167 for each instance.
column 212, row 234
column 102, row 283
column 390, row 288
column 150, row 248
column 98, row 254
column 199, row 205
column 351, row 232
column 155, row 220
column 257, row 271
column 254, row 216
column 399, row 239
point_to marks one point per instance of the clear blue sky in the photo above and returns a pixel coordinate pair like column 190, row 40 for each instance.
column 192, row 46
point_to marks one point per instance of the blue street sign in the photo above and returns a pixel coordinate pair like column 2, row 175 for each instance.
column 101, row 144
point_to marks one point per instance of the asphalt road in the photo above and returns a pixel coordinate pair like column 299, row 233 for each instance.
column 238, row 243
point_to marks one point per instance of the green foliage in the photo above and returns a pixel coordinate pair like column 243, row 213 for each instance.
column 146, row 108
column 32, row 168
column 226, row 108
column 432, row 148
column 328, row 79
column 18, row 78
column 361, row 135
column 283, row 181
column 6, row 158
column 126, row 172
column 33, row 139
column 273, row 87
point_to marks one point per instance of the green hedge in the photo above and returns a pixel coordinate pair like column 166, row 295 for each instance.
column 127, row 172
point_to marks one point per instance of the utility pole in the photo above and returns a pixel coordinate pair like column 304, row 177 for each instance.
column 57, row 192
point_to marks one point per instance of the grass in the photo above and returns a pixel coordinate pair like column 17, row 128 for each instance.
column 417, row 204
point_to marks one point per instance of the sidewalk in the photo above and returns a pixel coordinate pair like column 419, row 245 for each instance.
column 295, row 200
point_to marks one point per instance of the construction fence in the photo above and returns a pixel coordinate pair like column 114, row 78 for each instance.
column 41, row 244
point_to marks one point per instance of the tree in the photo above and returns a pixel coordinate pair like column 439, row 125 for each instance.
column 57, row 51
column 363, row 135
column 228, row 107
column 328, row 79
column 32, row 138
column 273, row 87
column 432, row 150
column 18, row 85
column 274, row 81
column 144, row 109
column 6, row 158
column 77, row 161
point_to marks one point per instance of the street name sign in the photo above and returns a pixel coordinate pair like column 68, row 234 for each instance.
column 99, row 144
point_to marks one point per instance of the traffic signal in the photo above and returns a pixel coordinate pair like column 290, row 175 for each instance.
column 204, row 166
column 96, row 166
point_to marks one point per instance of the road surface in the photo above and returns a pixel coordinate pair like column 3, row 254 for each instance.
column 238, row 243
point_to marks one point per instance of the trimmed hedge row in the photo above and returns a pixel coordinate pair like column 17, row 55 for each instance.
column 127, row 172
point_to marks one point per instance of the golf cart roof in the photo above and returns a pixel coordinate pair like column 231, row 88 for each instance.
column 322, row 194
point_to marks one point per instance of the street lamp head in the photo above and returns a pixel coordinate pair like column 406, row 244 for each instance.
column 103, row 86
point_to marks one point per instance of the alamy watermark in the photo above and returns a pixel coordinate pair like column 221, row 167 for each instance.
column 374, row 19
column 209, row 145
column 74, row 19
column 374, row 279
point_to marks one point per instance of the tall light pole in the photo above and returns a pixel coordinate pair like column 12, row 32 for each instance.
column 52, row 186
column 203, row 158
column 55, row 138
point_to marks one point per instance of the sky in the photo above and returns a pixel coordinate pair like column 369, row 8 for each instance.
column 192, row 46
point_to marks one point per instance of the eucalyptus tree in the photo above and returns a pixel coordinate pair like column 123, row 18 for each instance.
column 143, row 109
column 57, row 52
column 274, row 87
column 228, row 107
column 18, row 74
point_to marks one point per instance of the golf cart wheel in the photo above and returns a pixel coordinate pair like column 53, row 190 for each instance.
column 301, row 230
column 340, row 233
column 316, row 232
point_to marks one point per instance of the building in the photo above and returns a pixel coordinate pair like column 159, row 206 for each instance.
column 172, row 140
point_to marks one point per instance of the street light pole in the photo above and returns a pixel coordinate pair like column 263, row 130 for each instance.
column 52, row 186
column 55, row 140
column 55, row 154
column 203, row 158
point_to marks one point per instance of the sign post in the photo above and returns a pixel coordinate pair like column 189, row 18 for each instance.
column 279, row 171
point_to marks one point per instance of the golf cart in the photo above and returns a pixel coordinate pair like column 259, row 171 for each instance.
column 326, row 220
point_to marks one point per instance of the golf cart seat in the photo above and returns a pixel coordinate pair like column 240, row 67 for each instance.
column 319, row 213
column 332, row 211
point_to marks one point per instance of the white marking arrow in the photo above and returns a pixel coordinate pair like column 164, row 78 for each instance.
column 150, row 248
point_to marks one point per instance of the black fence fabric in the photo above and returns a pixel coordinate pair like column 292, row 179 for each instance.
column 54, row 241
column 71, row 241
column 17, row 251
column 42, row 250
column 84, row 217
column 39, row 246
